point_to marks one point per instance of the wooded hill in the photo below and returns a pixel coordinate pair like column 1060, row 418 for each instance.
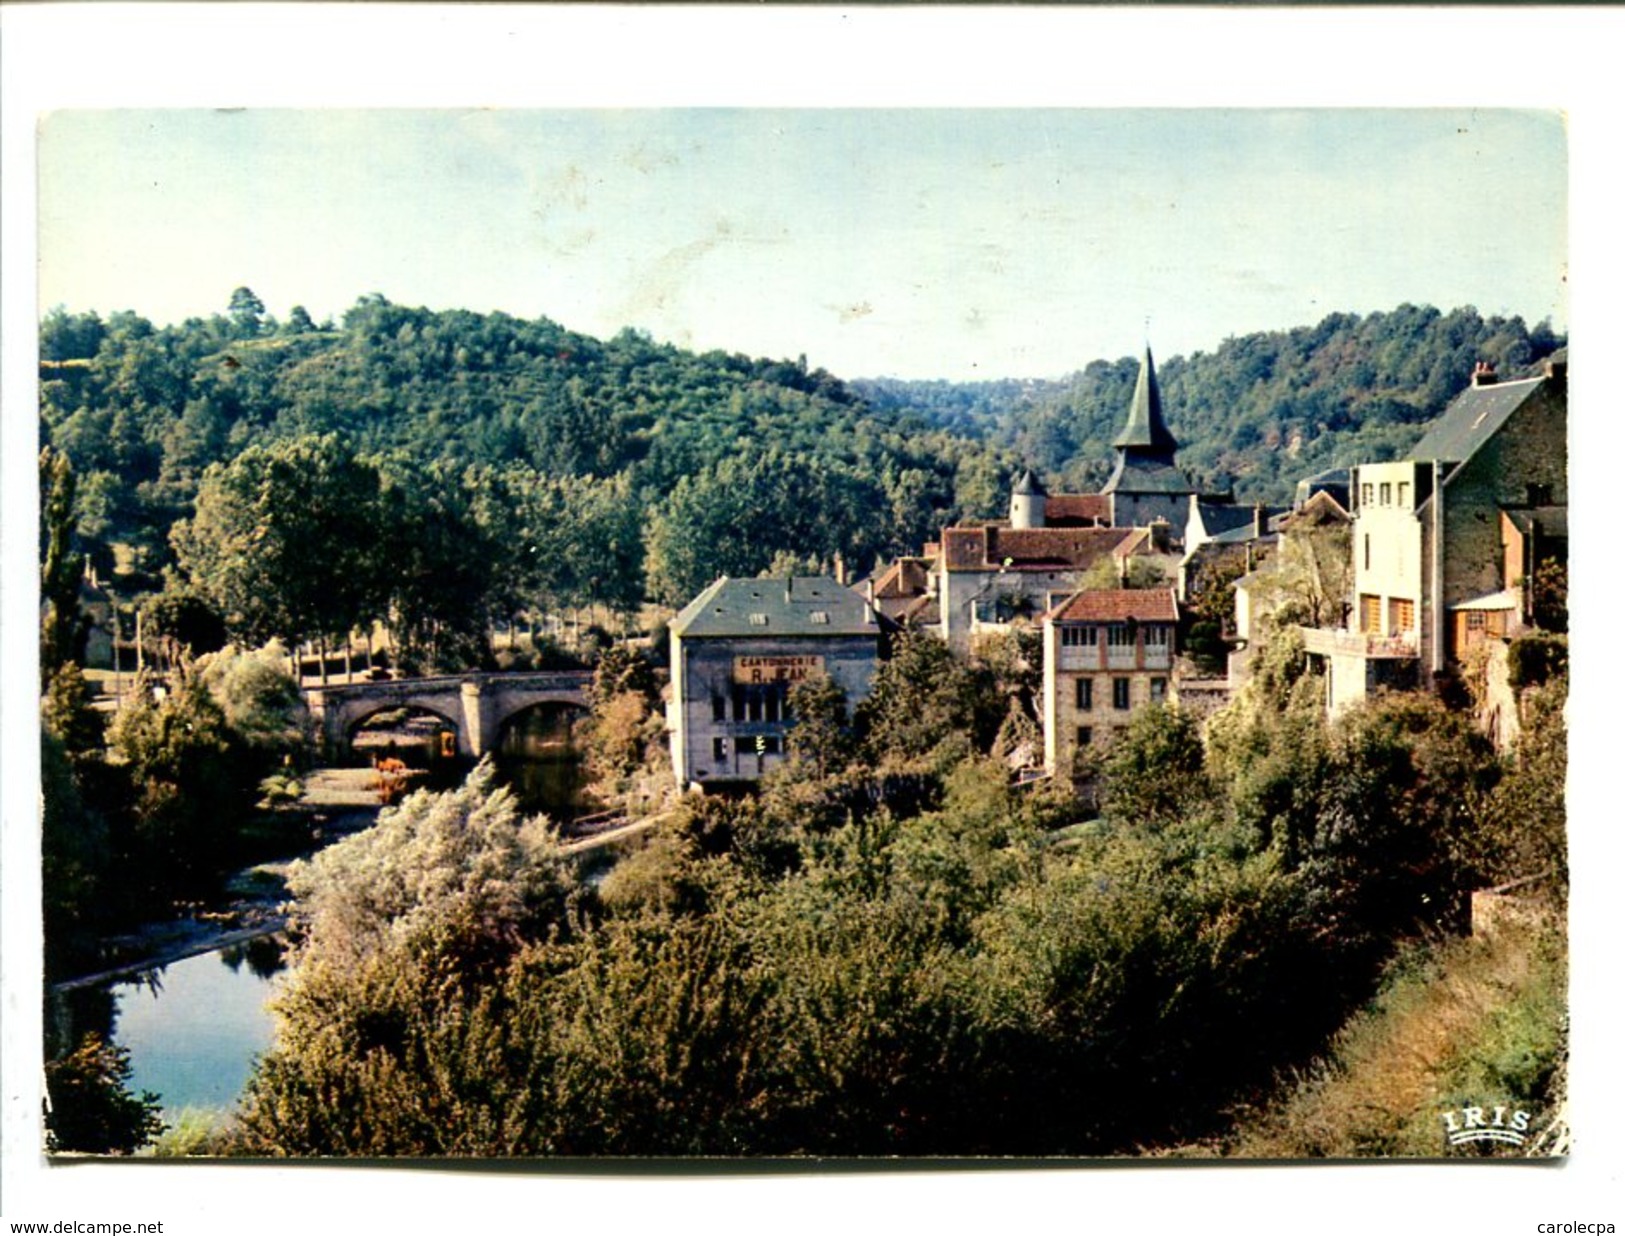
column 712, row 462
column 1261, row 410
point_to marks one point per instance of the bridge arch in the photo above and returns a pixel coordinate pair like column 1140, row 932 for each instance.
column 435, row 743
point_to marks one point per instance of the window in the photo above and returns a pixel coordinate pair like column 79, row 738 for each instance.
column 1387, row 494
column 1365, row 494
column 820, row 617
column 771, row 706
column 739, row 703
column 719, row 750
column 1401, row 615
column 1086, row 735
column 1475, row 620
column 1079, row 637
column 719, row 708
column 1156, row 636
column 1367, row 544
column 753, row 705
column 1159, row 690
column 1404, row 493
column 1119, row 635
column 758, row 620
column 767, row 744
column 1539, row 495
column 1120, row 694
column 1086, row 694
column 1370, row 614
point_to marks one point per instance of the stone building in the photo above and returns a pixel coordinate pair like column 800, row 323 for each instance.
column 1107, row 652
column 1446, row 540
column 738, row 648
column 990, row 576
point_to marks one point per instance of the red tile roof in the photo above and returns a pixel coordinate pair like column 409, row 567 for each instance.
column 1117, row 605
column 904, row 578
column 1077, row 509
column 1030, row 549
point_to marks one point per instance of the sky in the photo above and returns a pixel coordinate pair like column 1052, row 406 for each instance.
column 908, row 242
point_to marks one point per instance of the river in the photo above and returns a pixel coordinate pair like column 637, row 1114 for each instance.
column 194, row 1027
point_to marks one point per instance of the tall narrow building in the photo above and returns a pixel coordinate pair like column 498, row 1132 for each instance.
column 1146, row 485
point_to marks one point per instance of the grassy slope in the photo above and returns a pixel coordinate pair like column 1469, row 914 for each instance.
column 1477, row 1021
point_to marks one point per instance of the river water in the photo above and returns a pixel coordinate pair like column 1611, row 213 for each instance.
column 194, row 1027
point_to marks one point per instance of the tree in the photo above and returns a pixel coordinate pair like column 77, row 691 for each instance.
column 259, row 702
column 1549, row 588
column 286, row 541
column 247, row 312
column 91, row 1109
column 61, row 565
column 190, row 786
column 821, row 738
column 1153, row 770
column 924, row 694
column 183, row 621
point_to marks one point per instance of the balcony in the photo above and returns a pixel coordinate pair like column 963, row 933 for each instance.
column 1358, row 644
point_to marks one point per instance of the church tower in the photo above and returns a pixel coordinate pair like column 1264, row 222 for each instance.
column 1146, row 484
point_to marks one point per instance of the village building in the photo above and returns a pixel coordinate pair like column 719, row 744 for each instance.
column 1447, row 540
column 736, row 651
column 991, row 576
column 1107, row 653
column 1306, row 574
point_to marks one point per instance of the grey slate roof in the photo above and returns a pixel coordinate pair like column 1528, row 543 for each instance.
column 1243, row 533
column 786, row 604
column 1030, row 484
column 1220, row 517
column 1136, row 474
column 1472, row 418
column 1145, row 428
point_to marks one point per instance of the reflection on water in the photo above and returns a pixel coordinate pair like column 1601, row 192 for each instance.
column 193, row 1028
column 540, row 757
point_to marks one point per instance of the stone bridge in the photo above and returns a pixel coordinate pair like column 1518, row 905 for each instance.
column 477, row 706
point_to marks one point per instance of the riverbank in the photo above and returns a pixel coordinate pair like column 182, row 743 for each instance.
column 336, row 803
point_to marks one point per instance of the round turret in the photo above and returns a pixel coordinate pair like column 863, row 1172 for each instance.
column 1027, row 502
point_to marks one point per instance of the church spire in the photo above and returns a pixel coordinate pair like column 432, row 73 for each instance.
column 1145, row 430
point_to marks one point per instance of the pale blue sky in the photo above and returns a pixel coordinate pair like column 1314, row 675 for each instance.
column 920, row 243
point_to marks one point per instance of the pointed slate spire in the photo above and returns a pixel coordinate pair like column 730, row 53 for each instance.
column 1145, row 429
column 1029, row 484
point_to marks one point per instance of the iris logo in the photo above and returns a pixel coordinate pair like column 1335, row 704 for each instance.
column 1469, row 1124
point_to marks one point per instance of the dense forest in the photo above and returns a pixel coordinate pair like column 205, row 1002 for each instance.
column 540, row 468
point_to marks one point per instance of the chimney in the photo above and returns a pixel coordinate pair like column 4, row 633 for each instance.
column 1484, row 374
column 1160, row 535
column 1261, row 520
column 840, row 569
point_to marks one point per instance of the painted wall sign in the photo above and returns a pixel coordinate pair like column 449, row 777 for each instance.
column 750, row 671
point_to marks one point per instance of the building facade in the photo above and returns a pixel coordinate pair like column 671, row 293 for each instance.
column 1439, row 545
column 738, row 648
column 1107, row 653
